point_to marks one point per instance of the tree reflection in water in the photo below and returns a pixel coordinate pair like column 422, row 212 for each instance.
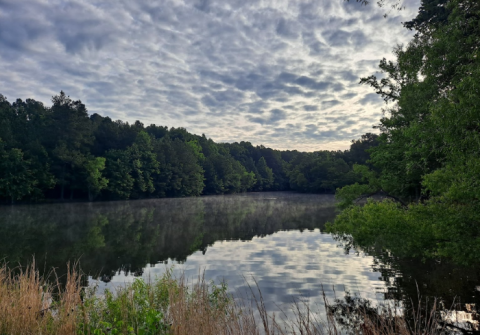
column 123, row 237
column 415, row 281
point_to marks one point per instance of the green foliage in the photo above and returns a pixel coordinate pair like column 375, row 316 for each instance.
column 118, row 172
column 136, row 309
column 432, row 229
column 144, row 164
column 94, row 179
column 217, row 295
column 68, row 136
column 248, row 181
column 224, row 174
column 359, row 149
column 319, row 172
column 180, row 171
column 428, row 151
column 67, row 152
column 142, row 308
column 16, row 177
column 383, row 224
column 197, row 149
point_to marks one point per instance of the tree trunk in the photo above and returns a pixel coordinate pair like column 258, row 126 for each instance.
column 13, row 199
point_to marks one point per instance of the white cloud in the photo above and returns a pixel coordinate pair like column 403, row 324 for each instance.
column 217, row 67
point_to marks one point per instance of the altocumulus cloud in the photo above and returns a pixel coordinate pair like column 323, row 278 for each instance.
column 280, row 73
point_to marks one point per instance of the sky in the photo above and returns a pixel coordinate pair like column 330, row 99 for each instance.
column 281, row 73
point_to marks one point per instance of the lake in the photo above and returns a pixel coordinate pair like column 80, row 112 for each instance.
column 275, row 238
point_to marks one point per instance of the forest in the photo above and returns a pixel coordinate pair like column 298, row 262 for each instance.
column 63, row 153
column 427, row 162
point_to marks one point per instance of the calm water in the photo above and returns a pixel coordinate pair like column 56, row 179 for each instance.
column 276, row 238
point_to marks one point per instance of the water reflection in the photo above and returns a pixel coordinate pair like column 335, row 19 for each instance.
column 287, row 265
column 112, row 237
column 408, row 278
column 275, row 237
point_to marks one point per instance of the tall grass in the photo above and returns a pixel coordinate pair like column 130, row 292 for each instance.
column 31, row 305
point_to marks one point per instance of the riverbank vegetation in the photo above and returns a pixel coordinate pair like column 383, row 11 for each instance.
column 169, row 305
column 427, row 163
column 62, row 152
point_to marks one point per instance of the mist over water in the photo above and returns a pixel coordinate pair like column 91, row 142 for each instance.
column 276, row 238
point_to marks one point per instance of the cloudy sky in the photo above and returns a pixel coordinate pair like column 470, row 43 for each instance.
column 274, row 72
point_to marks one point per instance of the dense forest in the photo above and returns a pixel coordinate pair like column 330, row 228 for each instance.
column 427, row 163
column 62, row 152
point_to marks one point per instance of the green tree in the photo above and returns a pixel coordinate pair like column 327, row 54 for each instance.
column 248, row 181
column 359, row 152
column 180, row 171
column 60, row 143
column 144, row 165
column 95, row 181
column 69, row 137
column 429, row 145
column 118, row 172
column 16, row 178
column 23, row 126
column 5, row 120
column 265, row 173
column 274, row 161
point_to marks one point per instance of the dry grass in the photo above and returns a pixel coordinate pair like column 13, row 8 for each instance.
column 29, row 305
column 200, row 310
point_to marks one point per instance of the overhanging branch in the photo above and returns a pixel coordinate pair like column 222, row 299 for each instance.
column 385, row 194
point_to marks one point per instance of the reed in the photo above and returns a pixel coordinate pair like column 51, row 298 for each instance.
column 31, row 305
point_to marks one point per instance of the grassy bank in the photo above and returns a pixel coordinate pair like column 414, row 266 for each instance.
column 31, row 305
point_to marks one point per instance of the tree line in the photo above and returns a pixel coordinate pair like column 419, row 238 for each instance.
column 62, row 152
column 428, row 158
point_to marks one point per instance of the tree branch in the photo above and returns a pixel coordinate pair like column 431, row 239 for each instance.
column 382, row 192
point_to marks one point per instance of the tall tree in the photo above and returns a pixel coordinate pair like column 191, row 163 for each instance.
column 429, row 143
column 266, row 173
column 180, row 171
column 119, row 173
column 95, row 181
column 144, row 165
column 16, row 177
column 69, row 138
